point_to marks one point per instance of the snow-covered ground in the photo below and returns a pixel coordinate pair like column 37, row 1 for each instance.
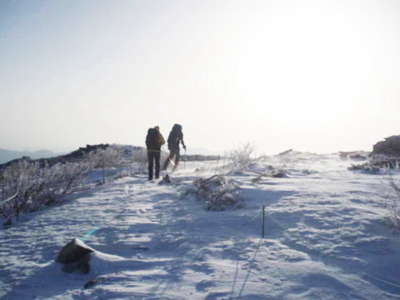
column 325, row 238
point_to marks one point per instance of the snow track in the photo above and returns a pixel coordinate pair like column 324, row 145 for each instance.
column 325, row 239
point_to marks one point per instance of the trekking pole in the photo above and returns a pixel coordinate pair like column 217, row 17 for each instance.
column 263, row 222
column 184, row 162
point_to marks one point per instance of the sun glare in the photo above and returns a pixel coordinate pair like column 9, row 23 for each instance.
column 301, row 65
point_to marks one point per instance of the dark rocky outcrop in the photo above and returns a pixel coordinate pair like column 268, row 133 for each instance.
column 385, row 155
column 389, row 147
column 75, row 256
column 81, row 152
column 354, row 155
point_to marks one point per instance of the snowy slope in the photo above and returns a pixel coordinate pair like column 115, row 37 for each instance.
column 325, row 238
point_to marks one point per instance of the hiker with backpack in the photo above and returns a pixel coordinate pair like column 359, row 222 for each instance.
column 175, row 138
column 154, row 141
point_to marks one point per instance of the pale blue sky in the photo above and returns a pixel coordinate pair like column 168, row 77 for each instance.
column 314, row 75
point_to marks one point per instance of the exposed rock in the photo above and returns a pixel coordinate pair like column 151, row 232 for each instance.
column 390, row 146
column 354, row 155
column 385, row 155
column 165, row 180
column 92, row 282
column 75, row 256
column 358, row 157
column 285, row 152
column 279, row 174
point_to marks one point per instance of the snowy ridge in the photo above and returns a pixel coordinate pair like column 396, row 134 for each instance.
column 325, row 238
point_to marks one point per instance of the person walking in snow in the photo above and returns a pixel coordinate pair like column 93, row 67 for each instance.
column 154, row 141
column 174, row 139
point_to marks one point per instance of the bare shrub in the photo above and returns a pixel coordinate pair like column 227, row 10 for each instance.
column 140, row 160
column 242, row 157
column 217, row 192
column 105, row 158
column 30, row 185
column 26, row 186
column 68, row 176
column 19, row 182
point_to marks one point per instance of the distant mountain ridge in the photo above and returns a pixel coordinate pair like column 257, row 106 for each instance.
column 7, row 155
column 54, row 159
column 74, row 156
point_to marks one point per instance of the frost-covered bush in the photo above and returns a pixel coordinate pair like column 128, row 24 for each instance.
column 242, row 157
column 27, row 186
column 366, row 168
column 19, row 183
column 376, row 165
column 105, row 158
column 140, row 160
column 217, row 192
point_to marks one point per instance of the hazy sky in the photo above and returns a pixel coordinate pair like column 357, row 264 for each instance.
column 317, row 75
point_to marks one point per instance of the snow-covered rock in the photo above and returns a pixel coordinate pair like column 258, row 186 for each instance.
column 217, row 192
column 354, row 155
column 75, row 256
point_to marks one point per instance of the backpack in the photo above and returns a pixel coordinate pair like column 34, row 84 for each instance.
column 153, row 139
column 175, row 136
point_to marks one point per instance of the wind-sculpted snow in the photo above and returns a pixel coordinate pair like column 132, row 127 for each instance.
column 326, row 237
